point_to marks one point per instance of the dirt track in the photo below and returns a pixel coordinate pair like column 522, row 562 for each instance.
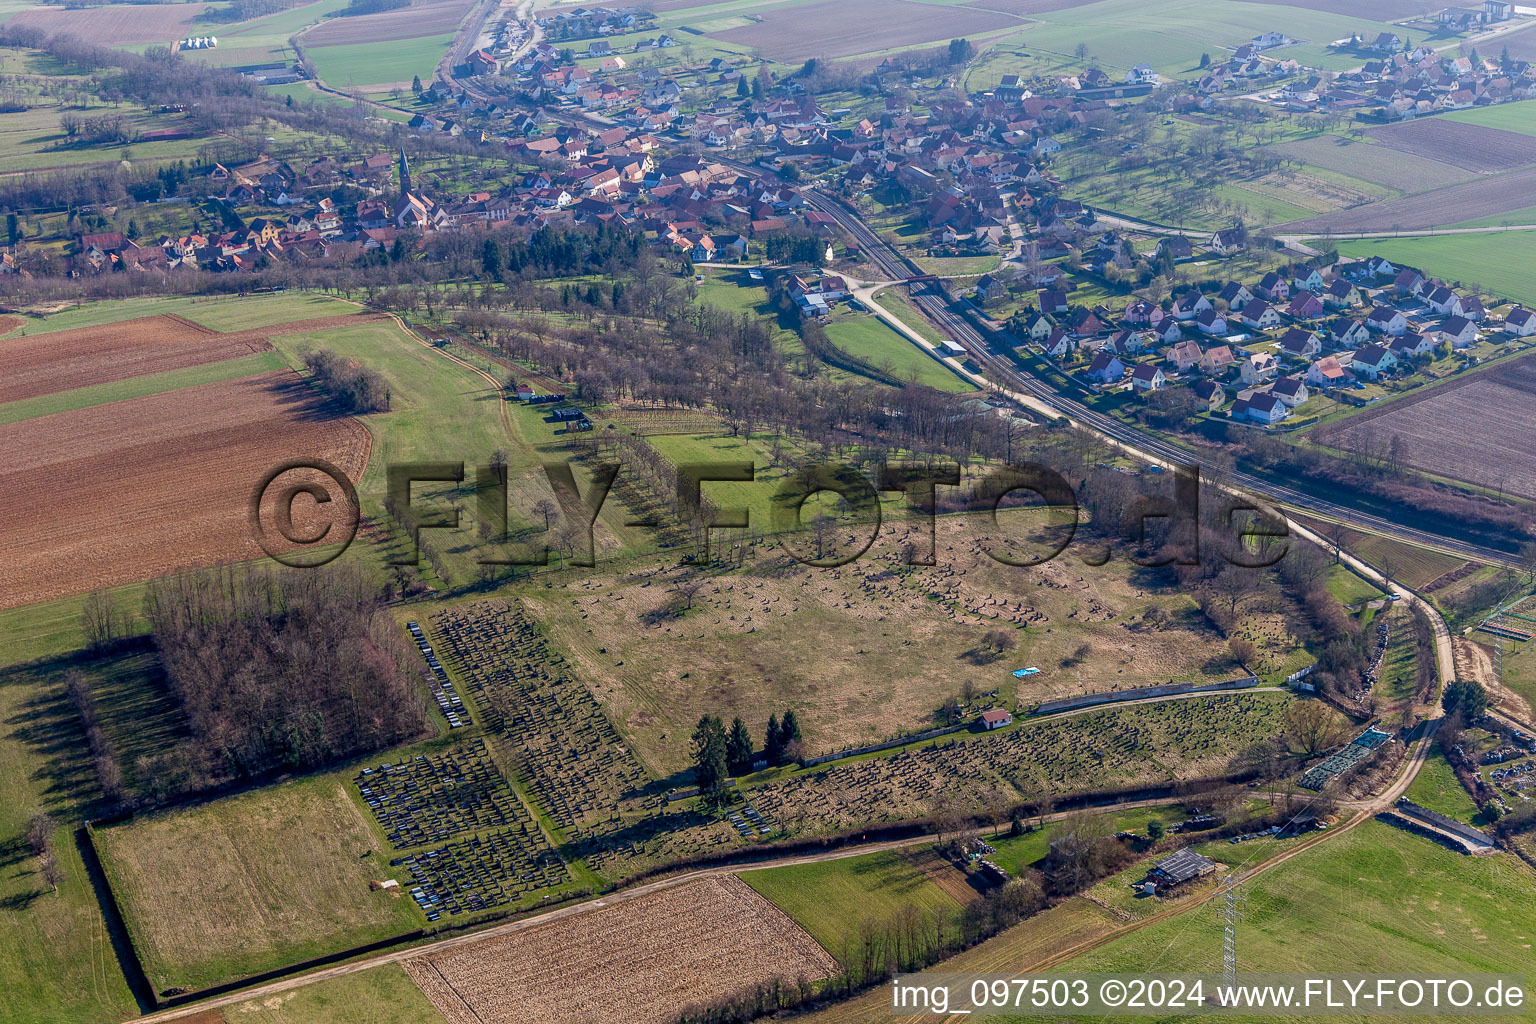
column 135, row 489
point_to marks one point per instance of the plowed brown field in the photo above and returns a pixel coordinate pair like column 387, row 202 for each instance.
column 117, row 24
column 40, row 364
column 638, row 962
column 820, row 29
column 135, row 489
column 424, row 18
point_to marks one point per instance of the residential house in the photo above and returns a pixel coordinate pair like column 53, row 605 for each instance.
column 1260, row 315
column 1190, row 305
column 1053, row 301
column 1341, row 294
column 1347, row 332
column 1444, row 301
column 1300, row 344
column 1176, row 245
column 1106, row 368
column 1307, row 278
column 1411, row 346
column 1142, row 313
column 1209, row 392
column 1217, row 359
column 1258, row 368
column 1305, row 306
column 1260, row 407
column 1328, row 372
column 1273, row 287
column 1459, row 331
column 1059, row 344
column 1235, row 294
column 1290, row 390
column 1168, row 331
column 1036, row 325
column 1386, row 320
column 1409, row 282
column 1185, row 354
column 1386, row 42
column 1372, row 361
column 1212, row 323
column 1148, row 377
column 1229, row 241
column 1520, row 322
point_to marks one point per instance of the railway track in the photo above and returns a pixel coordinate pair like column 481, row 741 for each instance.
column 975, row 339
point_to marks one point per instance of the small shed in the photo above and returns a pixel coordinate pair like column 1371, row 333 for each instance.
column 996, row 718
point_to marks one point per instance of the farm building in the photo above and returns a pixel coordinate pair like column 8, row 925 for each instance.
column 1178, row 868
column 198, row 43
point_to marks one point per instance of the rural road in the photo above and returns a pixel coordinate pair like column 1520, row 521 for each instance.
column 261, row 992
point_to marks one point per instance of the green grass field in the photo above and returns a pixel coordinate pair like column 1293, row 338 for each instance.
column 873, row 340
column 1437, row 788
column 226, row 313
column 1349, row 588
column 1496, row 260
column 380, row 995
column 261, row 40
column 351, row 65
column 57, row 961
column 832, row 900
column 252, row 882
column 1171, row 36
column 1510, row 117
column 1373, row 901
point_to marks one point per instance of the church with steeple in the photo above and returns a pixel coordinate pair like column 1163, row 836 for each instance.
column 413, row 210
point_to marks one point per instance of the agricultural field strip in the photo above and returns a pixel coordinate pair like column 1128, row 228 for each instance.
column 794, row 32
column 119, row 24
column 1401, row 171
column 1473, row 147
column 1483, row 196
column 638, row 962
column 121, row 471
column 39, row 364
column 425, row 19
column 1500, row 452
